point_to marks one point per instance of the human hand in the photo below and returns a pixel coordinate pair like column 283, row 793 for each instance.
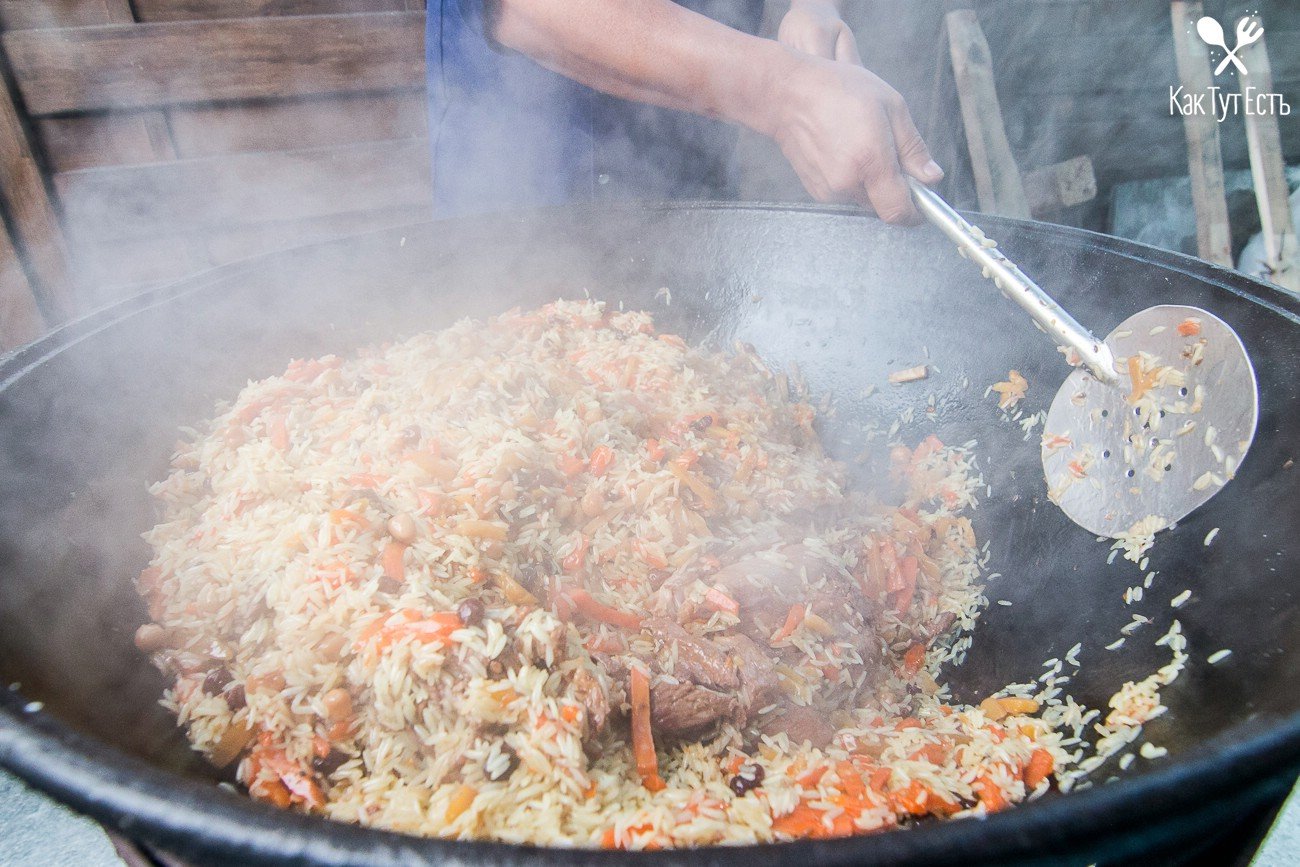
column 815, row 27
column 850, row 137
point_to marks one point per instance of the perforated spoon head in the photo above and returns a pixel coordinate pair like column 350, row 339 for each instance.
column 1169, row 437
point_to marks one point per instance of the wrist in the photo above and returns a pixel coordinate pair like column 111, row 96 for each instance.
column 769, row 91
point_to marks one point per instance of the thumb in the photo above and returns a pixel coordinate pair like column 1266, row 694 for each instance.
column 846, row 46
column 913, row 154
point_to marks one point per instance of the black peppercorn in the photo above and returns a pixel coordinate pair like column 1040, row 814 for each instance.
column 701, row 424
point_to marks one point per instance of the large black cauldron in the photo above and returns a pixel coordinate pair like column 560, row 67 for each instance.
column 89, row 413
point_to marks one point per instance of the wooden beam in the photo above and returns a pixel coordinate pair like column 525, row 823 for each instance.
column 997, row 178
column 298, row 124
column 36, row 227
column 218, row 193
column 20, row 316
column 1268, row 171
column 199, row 10
column 152, row 65
column 1204, row 155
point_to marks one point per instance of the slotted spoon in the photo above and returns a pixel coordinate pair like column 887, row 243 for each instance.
column 1154, row 420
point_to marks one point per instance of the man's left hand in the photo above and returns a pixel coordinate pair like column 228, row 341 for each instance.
column 815, row 27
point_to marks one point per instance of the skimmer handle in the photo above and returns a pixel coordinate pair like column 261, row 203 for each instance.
column 1015, row 284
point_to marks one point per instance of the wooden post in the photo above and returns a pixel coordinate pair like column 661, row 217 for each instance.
column 1204, row 154
column 1268, row 171
column 20, row 317
column 997, row 178
column 39, row 237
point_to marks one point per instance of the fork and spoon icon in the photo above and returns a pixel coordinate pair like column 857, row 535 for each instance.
column 1211, row 31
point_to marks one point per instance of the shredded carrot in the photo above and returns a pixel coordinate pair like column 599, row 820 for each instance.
column 880, row 779
column 927, row 447
column 907, row 569
column 589, row 607
column 1189, row 327
column 913, row 659
column 601, row 458
column 990, row 794
column 460, row 801
column 301, row 784
column 1012, row 390
column 391, row 560
column 720, row 601
column 572, row 466
column 608, row 840
column 654, row 450
column 575, row 559
column 933, row 753
column 643, row 745
column 813, row 777
column 792, row 621
column 1142, row 382
column 851, row 782
column 570, row 713
column 802, row 821
column 1039, row 768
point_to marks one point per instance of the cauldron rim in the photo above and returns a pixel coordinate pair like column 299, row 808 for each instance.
column 191, row 818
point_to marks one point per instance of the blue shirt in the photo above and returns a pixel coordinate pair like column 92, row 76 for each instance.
column 507, row 133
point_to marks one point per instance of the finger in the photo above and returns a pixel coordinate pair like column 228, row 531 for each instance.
column 887, row 191
column 913, row 154
column 846, row 47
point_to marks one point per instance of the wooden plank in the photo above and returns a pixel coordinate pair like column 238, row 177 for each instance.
column 20, row 316
column 298, row 124
column 151, row 65
column 89, row 140
column 36, row 228
column 216, row 193
column 208, row 10
column 1268, row 171
column 1059, row 186
column 997, row 178
column 26, row 14
column 1204, row 158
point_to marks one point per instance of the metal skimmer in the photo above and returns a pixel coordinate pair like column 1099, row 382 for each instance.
column 1154, row 420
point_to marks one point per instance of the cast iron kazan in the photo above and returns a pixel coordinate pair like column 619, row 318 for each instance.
column 89, row 414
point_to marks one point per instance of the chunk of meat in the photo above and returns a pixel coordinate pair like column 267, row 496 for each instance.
column 595, row 699
column 697, row 659
column 685, row 709
column 800, row 724
column 759, row 685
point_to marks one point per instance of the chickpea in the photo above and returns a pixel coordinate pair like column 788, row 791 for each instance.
column 338, row 704
column 150, row 637
column 402, row 528
column 332, row 646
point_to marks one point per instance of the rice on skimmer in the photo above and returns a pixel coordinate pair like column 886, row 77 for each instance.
column 560, row 579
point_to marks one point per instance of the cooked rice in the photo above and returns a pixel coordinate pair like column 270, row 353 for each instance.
column 272, row 577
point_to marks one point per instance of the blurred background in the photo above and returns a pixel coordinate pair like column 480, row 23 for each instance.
column 145, row 140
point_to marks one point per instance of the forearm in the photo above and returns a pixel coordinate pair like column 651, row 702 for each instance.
column 651, row 51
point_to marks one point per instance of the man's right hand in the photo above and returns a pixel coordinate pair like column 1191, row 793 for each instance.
column 850, row 137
